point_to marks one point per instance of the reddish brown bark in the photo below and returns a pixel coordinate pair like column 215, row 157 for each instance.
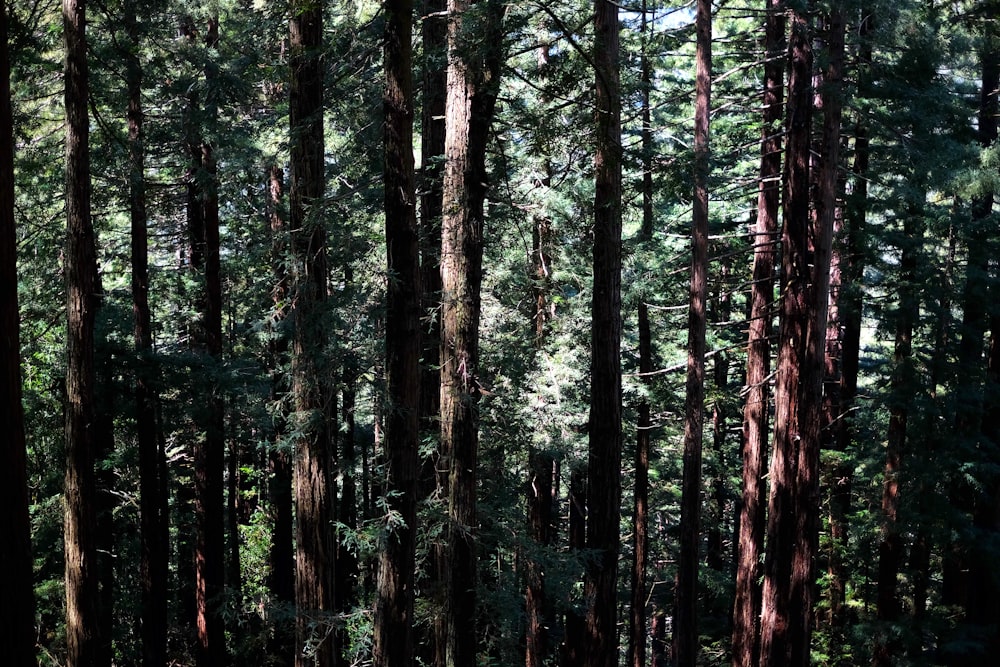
column 686, row 590
column 17, row 600
column 747, row 605
column 471, row 97
column 788, row 580
column 82, row 624
column 314, row 402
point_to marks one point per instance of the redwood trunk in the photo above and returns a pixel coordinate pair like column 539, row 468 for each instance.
column 314, row 409
column 787, row 593
column 17, row 600
column 600, row 646
column 153, row 511
column 686, row 592
column 471, row 97
column 82, row 624
column 394, row 599
column 747, row 605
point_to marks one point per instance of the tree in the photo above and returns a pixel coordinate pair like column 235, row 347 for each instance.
column 792, row 516
column 17, row 599
column 640, row 515
column 314, row 559
column 473, row 72
column 209, row 449
column 686, row 593
column 394, row 601
column 604, row 451
column 152, row 461
column 747, row 605
column 83, row 632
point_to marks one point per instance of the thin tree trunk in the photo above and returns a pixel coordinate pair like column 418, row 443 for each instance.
column 153, row 511
column 640, row 515
column 82, row 622
column 891, row 544
column 394, row 600
column 209, row 453
column 281, row 574
column 471, row 98
column 576, row 622
column 17, row 599
column 686, row 593
column 747, row 605
column 434, row 476
column 314, row 402
column 540, row 462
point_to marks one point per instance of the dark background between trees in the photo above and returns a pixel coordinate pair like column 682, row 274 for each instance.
column 473, row 333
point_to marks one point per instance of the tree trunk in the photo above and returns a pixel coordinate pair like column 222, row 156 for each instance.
column 788, row 583
column 901, row 385
column 576, row 622
column 281, row 573
column 600, row 646
column 540, row 462
column 314, row 402
column 82, row 623
column 17, row 598
column 210, row 449
column 747, row 605
column 434, row 475
column 686, row 593
column 640, row 514
column 394, row 600
column 153, row 511
column 471, row 98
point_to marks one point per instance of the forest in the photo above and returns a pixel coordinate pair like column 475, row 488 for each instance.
column 474, row 333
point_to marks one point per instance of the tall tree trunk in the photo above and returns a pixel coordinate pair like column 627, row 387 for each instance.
column 640, row 514
column 540, row 462
column 153, row 511
column 471, row 98
column 17, row 598
column 434, row 475
column 686, row 592
column 787, row 593
column 82, row 623
column 605, row 444
column 982, row 610
column 281, row 557
column 210, row 449
column 747, row 605
column 314, row 402
column 849, row 311
column 394, row 600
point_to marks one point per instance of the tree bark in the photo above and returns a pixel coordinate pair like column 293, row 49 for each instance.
column 792, row 516
column 575, row 624
column 600, row 646
column 281, row 556
column 473, row 75
column 17, row 598
column 82, row 624
column 394, row 599
column 747, row 605
column 209, row 450
column 686, row 592
column 313, row 400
